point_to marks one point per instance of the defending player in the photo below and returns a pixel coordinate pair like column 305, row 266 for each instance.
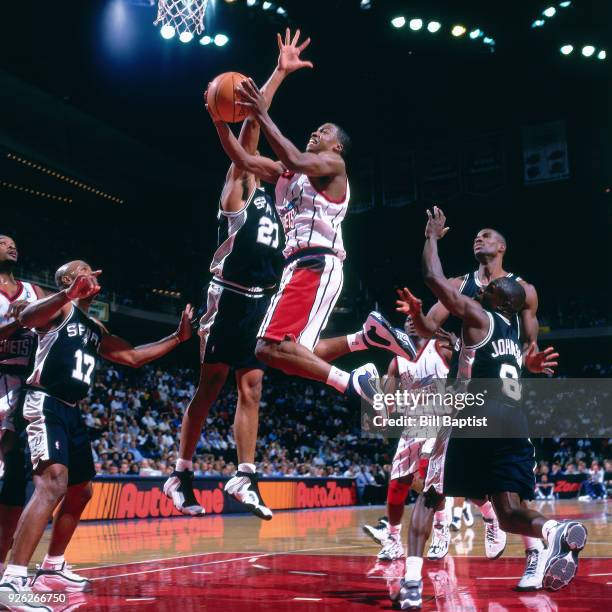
column 17, row 346
column 312, row 195
column 69, row 345
column 506, row 465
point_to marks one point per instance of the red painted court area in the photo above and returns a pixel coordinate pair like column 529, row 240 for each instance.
column 280, row 581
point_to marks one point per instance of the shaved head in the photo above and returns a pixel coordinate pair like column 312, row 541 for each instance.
column 66, row 274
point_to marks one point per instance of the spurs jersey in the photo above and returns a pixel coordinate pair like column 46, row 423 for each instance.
column 16, row 352
column 66, row 357
column 250, row 245
column 471, row 285
column 310, row 218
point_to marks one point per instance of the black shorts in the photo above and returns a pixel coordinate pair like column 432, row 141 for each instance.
column 229, row 327
column 16, row 468
column 477, row 467
column 56, row 433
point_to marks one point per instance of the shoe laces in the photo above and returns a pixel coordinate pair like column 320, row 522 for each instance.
column 492, row 531
column 532, row 562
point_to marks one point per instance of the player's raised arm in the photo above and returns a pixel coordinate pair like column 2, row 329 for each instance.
column 327, row 163
column 118, row 350
column 443, row 288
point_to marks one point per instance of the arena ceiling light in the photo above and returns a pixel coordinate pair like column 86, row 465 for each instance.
column 205, row 40
column 266, row 6
column 588, row 50
column 167, row 31
column 602, row 55
column 458, row 30
column 477, row 33
column 416, row 24
column 251, row 2
column 221, row 40
column 398, row 22
column 566, row 49
column 538, row 23
column 551, row 11
column 565, row 4
column 281, row 11
column 185, row 37
column 365, row 4
column 433, row 26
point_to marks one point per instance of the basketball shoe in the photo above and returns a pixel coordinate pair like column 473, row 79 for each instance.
column 392, row 549
column 410, row 595
column 364, row 383
column 534, row 570
column 60, row 579
column 379, row 333
column 379, row 532
column 244, row 489
column 179, row 488
column 438, row 549
column 11, row 586
column 495, row 539
column 565, row 540
column 468, row 517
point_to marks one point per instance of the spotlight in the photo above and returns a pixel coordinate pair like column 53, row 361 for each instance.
column 221, row 40
column 474, row 34
column 538, row 23
column 566, row 49
column 487, row 40
column 458, row 30
column 185, row 37
column 549, row 12
column 602, row 55
column 251, row 2
column 365, row 4
column 565, row 4
column 416, row 24
column 588, row 50
column 281, row 11
column 266, row 6
column 398, row 22
column 434, row 26
column 167, row 31
column 205, row 40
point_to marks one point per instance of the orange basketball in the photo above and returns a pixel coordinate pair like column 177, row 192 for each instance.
column 221, row 97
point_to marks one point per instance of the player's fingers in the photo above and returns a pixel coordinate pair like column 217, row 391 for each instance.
column 307, row 65
column 550, row 364
column 548, row 371
column 96, row 273
column 552, row 356
column 445, row 231
column 279, row 42
column 287, row 36
column 296, row 37
column 304, row 44
column 530, row 348
column 429, row 217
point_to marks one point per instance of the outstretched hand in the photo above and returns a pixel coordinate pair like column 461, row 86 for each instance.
column 408, row 304
column 185, row 328
column 289, row 52
column 84, row 286
column 436, row 224
column 542, row 362
column 251, row 98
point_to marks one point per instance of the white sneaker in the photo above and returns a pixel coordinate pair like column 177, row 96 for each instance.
column 179, row 488
column 534, row 571
column 62, row 580
column 495, row 539
column 455, row 524
column 560, row 558
column 468, row 517
column 438, row 549
column 584, row 498
column 244, row 489
column 379, row 333
column 392, row 549
column 364, row 383
column 18, row 585
column 379, row 533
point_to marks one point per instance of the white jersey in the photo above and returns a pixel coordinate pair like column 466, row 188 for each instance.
column 309, row 217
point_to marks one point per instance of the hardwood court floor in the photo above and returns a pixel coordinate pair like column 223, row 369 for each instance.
column 314, row 560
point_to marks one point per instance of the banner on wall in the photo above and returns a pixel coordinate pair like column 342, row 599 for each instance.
column 545, row 156
column 484, row 165
column 129, row 498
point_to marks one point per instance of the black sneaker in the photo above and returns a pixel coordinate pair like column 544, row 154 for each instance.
column 364, row 383
column 560, row 558
column 410, row 595
column 243, row 488
column 179, row 488
column 379, row 333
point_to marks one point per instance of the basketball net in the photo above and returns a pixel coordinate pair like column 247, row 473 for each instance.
column 182, row 15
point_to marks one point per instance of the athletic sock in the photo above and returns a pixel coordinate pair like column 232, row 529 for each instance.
column 249, row 468
column 50, row 562
column 487, row 511
column 457, row 512
column 448, row 508
column 183, row 464
column 394, row 530
column 414, row 566
column 338, row 379
column 440, row 518
column 356, row 342
column 546, row 529
column 532, row 543
column 16, row 570
column 466, row 505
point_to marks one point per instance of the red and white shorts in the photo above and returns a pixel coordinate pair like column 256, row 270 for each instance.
column 308, row 291
column 435, row 471
column 410, row 455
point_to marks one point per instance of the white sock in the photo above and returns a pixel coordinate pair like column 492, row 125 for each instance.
column 414, row 565
column 183, row 464
column 249, row 468
column 440, row 518
column 457, row 511
column 546, row 528
column 16, row 570
column 466, row 505
column 448, row 508
column 487, row 511
column 532, row 543
column 394, row 530
column 50, row 562
column 338, row 379
column 356, row 342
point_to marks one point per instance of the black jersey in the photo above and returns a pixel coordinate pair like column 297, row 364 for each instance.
column 66, row 357
column 250, row 244
column 471, row 285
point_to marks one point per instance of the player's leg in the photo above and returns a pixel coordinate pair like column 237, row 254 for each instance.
column 243, row 485
column 440, row 538
column 457, row 514
column 179, row 486
column 495, row 537
column 397, row 493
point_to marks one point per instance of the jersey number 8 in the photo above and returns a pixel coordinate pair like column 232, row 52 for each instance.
column 511, row 385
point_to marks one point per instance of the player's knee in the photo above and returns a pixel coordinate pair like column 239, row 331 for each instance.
column 398, row 491
column 85, row 493
column 432, row 499
column 54, row 483
column 249, row 394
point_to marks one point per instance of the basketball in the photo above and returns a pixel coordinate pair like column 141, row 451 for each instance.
column 221, row 97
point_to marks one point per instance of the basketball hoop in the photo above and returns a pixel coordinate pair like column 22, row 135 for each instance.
column 182, row 15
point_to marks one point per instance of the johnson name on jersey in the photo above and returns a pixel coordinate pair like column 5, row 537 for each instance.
column 66, row 357
column 309, row 217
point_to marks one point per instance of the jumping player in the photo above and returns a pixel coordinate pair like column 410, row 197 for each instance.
column 506, row 465
column 69, row 344
column 17, row 346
